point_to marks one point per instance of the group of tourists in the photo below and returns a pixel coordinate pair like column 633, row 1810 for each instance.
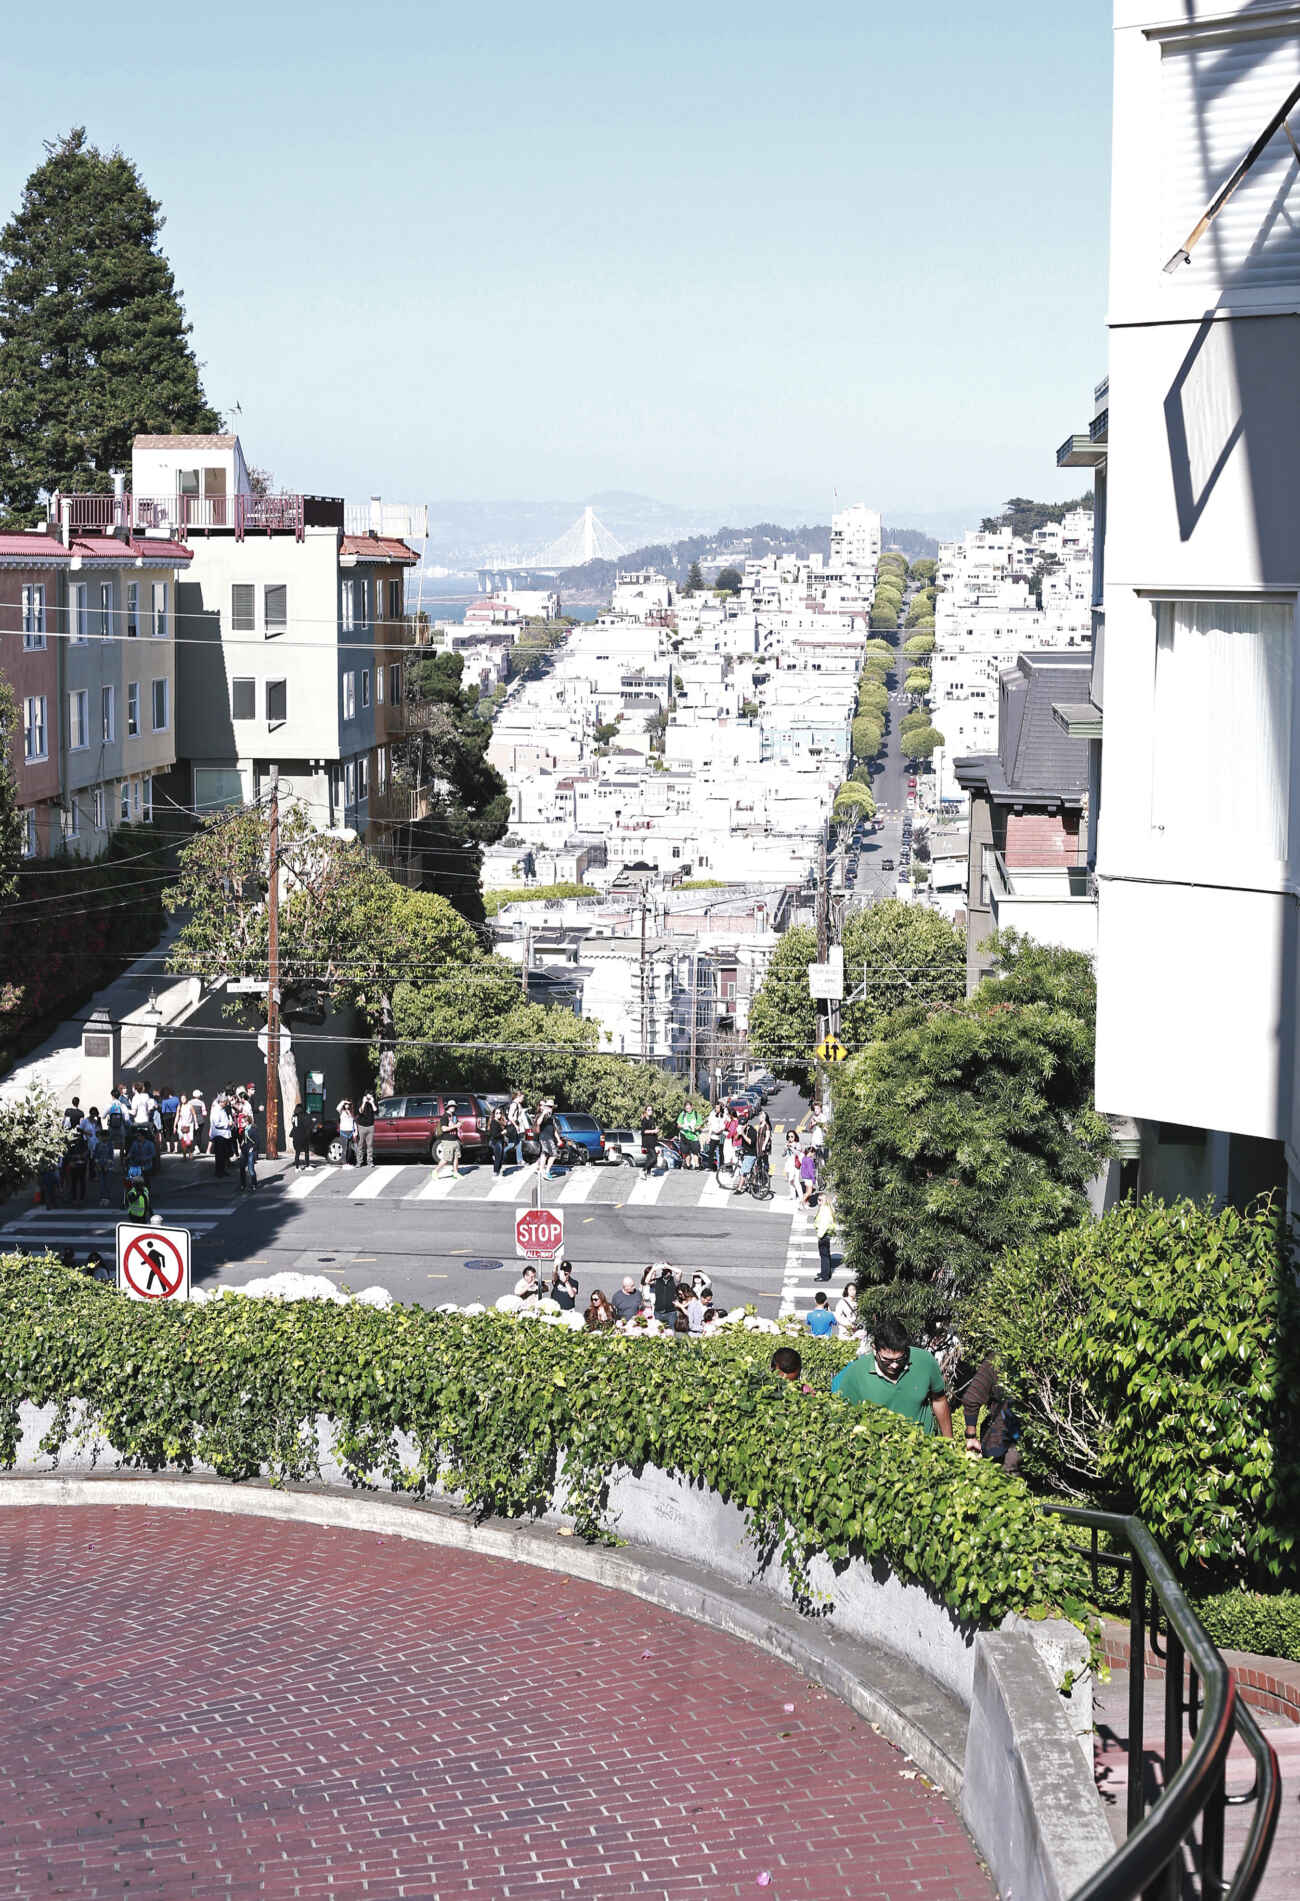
column 659, row 1301
column 117, row 1150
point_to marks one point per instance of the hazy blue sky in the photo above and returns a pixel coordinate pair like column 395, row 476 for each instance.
column 706, row 251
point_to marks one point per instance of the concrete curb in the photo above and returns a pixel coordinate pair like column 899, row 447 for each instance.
column 926, row 1721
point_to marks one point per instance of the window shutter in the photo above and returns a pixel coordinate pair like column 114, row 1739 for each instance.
column 243, row 607
column 277, row 608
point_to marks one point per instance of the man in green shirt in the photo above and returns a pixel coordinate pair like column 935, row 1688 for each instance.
column 904, row 1379
column 689, row 1124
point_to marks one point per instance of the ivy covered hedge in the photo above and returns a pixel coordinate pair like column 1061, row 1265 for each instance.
column 491, row 1403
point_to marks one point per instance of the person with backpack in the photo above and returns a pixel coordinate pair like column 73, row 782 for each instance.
column 76, row 1162
column 115, row 1122
column 138, row 1200
column 169, row 1107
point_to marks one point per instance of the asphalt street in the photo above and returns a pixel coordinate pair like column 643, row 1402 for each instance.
column 429, row 1240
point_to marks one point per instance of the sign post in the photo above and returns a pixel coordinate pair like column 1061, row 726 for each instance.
column 153, row 1262
column 539, row 1233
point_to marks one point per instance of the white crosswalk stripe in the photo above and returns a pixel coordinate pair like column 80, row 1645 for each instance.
column 308, row 1184
column 375, row 1181
column 70, row 1227
column 579, row 1186
column 437, row 1188
column 647, row 1191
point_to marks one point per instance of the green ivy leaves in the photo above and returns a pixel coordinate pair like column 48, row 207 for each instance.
column 503, row 1411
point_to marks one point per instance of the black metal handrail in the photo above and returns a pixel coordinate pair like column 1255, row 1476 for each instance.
column 1151, row 1864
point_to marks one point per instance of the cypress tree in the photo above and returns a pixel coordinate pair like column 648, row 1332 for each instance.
column 93, row 338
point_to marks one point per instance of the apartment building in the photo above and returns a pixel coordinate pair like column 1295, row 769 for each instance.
column 1198, row 846
column 87, row 641
column 856, row 538
column 290, row 613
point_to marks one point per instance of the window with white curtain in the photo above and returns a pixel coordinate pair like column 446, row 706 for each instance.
column 1221, row 744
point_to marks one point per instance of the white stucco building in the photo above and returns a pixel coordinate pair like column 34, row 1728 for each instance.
column 1198, row 850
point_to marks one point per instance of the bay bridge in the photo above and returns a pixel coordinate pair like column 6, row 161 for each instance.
column 587, row 539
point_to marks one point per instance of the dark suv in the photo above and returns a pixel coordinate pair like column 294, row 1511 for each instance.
column 410, row 1127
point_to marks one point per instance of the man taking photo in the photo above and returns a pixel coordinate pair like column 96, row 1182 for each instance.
column 900, row 1377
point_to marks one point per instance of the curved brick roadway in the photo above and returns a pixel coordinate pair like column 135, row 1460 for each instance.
column 201, row 1705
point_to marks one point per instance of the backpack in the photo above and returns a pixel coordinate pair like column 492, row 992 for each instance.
column 114, row 1117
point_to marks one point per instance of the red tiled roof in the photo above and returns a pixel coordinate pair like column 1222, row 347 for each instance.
column 154, row 549
column 378, row 548
column 17, row 545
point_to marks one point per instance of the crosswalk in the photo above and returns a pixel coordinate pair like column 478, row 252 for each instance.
column 83, row 1226
column 596, row 1185
column 802, row 1268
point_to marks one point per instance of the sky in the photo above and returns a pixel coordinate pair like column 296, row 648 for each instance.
column 706, row 252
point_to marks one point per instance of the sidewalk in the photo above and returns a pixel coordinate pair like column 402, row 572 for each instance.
column 175, row 1183
column 1281, row 1880
column 56, row 1064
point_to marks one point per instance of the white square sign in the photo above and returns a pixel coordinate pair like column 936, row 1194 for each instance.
column 153, row 1262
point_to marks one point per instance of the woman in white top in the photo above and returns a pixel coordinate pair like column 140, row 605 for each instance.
column 347, row 1130
column 186, row 1126
column 847, row 1324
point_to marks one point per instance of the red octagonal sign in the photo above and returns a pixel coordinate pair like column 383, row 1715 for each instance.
column 539, row 1233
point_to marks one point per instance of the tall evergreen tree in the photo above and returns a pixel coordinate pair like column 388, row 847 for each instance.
column 93, row 339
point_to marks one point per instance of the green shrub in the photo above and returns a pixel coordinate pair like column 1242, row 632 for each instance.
column 491, row 1403
column 1244, row 1620
column 1155, row 1356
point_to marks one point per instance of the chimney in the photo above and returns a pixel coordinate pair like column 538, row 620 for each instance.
column 376, row 515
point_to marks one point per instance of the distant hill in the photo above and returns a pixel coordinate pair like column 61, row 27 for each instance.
column 727, row 545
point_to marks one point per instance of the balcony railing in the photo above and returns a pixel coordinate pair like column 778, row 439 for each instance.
column 1054, row 904
column 181, row 515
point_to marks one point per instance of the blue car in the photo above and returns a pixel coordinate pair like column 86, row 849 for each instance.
column 581, row 1139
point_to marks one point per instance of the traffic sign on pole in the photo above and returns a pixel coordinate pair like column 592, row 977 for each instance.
column 831, row 1050
column 539, row 1233
column 153, row 1262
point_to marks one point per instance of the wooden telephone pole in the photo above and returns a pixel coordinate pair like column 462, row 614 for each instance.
column 273, row 979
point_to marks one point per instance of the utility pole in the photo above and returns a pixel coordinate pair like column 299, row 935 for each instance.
column 273, row 979
column 645, row 1001
column 527, row 959
column 695, row 1010
column 823, row 929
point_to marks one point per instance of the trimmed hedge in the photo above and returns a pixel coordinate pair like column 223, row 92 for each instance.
column 1241, row 1620
column 491, row 1402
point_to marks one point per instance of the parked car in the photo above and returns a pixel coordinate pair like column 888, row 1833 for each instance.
column 624, row 1145
column 581, row 1139
column 410, row 1127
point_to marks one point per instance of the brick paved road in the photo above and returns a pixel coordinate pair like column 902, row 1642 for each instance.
column 207, row 1706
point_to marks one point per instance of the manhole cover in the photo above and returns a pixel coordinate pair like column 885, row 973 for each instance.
column 481, row 1264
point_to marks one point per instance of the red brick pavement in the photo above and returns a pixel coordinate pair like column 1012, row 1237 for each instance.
column 196, row 1705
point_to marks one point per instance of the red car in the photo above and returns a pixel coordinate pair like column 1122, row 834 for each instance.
column 410, row 1127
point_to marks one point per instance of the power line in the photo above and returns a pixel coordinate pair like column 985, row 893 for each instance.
column 377, row 643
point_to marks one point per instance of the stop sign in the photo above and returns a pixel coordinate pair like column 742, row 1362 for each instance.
column 539, row 1233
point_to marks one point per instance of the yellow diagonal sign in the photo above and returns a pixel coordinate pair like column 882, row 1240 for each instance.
column 831, row 1050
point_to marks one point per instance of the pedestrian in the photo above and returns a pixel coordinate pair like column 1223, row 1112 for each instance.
column 185, row 1128
column 248, row 1156
column 715, row 1128
column 222, row 1134
column 169, row 1107
column 807, row 1177
column 663, row 1288
column 198, row 1102
column 366, row 1113
column 300, row 1136
column 500, row 1137
column 104, row 1155
column 348, row 1130
column 823, row 1228
column 517, row 1117
column 627, row 1301
column 898, row 1376
column 139, row 1202
column 564, row 1288
column 692, row 1305
column 448, row 1145
column 689, row 1126
column 821, row 1321
column 76, row 1163
column 998, row 1436
column 649, row 1139
column 787, row 1364
column 72, row 1114
column 115, row 1120
column 528, row 1287
column 547, row 1135
column 598, row 1312
column 847, row 1323
column 142, row 1107
column 790, row 1163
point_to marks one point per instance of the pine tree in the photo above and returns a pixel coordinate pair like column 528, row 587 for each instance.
column 93, row 338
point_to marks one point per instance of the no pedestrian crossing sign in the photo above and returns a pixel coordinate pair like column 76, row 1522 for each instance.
column 539, row 1233
column 153, row 1263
